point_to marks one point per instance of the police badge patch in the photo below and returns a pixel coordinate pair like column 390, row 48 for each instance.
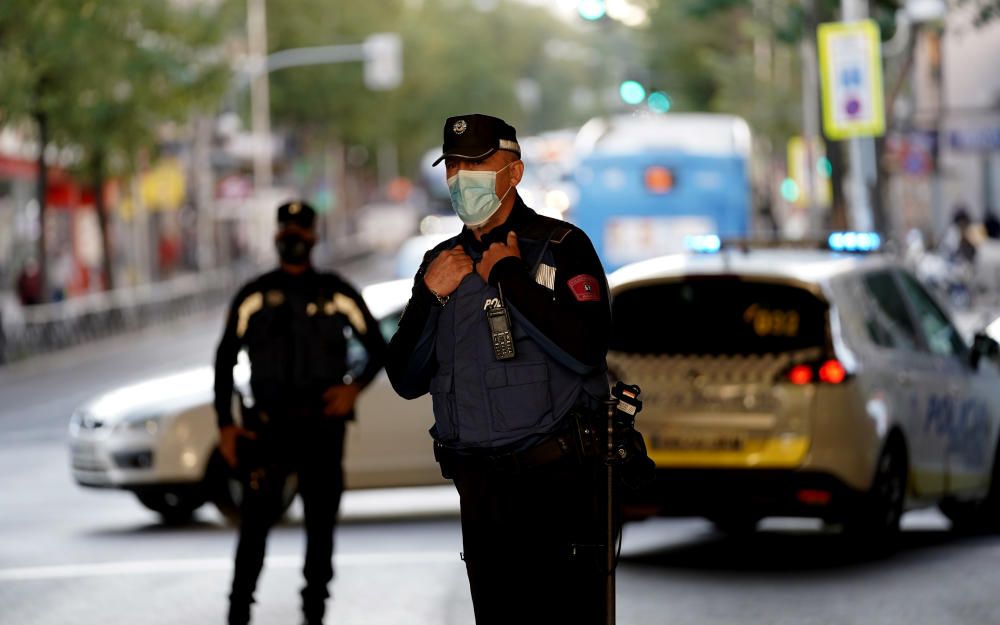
column 459, row 127
column 585, row 288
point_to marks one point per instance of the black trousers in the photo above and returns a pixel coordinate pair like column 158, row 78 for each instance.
column 314, row 452
column 518, row 534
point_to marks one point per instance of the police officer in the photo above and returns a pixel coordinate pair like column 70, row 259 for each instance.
column 294, row 323
column 507, row 328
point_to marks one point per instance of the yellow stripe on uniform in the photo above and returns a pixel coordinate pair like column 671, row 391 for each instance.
column 248, row 307
column 346, row 306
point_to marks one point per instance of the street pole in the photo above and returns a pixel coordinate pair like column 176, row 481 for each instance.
column 204, row 193
column 810, row 115
column 859, row 198
column 260, row 98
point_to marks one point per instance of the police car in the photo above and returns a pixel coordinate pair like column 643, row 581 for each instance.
column 158, row 439
column 821, row 383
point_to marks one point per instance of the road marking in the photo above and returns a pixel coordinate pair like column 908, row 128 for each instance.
column 196, row 565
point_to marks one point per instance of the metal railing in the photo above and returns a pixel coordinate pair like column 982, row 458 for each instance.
column 48, row 327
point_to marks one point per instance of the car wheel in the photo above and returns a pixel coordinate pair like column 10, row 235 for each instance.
column 175, row 504
column 878, row 518
column 227, row 490
column 981, row 515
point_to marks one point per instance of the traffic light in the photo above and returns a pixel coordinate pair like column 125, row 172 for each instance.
column 592, row 10
column 658, row 102
column 383, row 69
column 790, row 190
column 632, row 92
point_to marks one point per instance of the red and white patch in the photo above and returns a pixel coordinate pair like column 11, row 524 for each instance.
column 585, row 288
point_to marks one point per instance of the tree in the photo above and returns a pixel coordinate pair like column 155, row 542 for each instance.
column 459, row 56
column 985, row 10
column 102, row 76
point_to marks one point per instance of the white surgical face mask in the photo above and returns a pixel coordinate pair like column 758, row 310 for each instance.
column 474, row 195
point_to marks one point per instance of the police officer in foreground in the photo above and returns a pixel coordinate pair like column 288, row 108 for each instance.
column 507, row 328
column 294, row 323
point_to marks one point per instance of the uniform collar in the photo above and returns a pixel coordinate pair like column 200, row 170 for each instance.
column 520, row 215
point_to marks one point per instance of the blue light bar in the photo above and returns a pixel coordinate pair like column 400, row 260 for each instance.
column 854, row 242
column 703, row 243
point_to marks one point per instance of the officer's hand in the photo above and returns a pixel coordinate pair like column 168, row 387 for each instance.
column 446, row 272
column 340, row 399
column 497, row 252
column 228, row 436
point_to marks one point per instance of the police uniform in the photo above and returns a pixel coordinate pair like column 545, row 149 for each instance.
column 294, row 328
column 504, row 429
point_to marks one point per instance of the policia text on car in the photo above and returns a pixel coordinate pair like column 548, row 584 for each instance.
column 293, row 323
column 507, row 328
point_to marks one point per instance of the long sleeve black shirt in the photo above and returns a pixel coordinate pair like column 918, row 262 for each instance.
column 297, row 326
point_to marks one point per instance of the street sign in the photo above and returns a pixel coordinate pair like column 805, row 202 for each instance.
column 850, row 61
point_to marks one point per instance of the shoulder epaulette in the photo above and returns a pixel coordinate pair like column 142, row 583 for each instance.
column 560, row 233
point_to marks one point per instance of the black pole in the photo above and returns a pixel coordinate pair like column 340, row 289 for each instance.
column 42, row 120
column 611, row 405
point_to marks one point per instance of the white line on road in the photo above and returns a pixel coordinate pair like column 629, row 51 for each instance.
column 195, row 565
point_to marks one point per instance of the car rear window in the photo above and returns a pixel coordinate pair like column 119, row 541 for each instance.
column 717, row 316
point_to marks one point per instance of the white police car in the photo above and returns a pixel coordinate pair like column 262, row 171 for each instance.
column 805, row 382
column 158, row 438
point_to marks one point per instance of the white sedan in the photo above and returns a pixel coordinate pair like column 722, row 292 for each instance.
column 158, row 438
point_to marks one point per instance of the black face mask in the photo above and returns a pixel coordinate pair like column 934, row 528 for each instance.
column 294, row 249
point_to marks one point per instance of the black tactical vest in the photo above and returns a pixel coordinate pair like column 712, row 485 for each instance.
column 481, row 402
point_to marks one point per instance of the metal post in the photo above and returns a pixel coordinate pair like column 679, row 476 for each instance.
column 860, row 200
column 204, row 193
column 609, row 538
column 810, row 114
column 260, row 97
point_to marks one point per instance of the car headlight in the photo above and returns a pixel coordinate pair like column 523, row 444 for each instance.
column 84, row 420
column 150, row 424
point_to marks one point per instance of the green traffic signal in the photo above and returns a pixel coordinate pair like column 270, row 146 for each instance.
column 824, row 167
column 658, row 102
column 790, row 190
column 592, row 10
column 632, row 92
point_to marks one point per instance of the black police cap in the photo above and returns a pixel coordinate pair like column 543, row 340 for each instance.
column 297, row 214
column 477, row 136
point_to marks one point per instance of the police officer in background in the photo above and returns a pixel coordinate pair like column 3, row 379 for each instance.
column 294, row 323
column 507, row 328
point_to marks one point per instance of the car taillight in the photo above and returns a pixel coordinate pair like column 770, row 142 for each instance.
column 827, row 372
column 659, row 179
column 832, row 372
column 800, row 374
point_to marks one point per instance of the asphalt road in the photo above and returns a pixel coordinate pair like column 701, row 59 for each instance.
column 75, row 556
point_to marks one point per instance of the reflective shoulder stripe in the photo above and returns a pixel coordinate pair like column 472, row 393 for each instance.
column 347, row 306
column 248, row 307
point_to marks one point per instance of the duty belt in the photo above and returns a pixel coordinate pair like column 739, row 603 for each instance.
column 549, row 450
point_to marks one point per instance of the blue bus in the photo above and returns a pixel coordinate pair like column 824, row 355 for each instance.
column 648, row 182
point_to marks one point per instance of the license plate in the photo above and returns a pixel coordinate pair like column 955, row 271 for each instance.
column 678, row 441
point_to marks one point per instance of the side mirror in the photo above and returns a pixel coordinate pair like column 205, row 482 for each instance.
column 983, row 345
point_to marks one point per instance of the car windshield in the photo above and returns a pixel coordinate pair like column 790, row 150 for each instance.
column 717, row 316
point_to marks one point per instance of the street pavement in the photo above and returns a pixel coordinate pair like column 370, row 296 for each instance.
column 76, row 556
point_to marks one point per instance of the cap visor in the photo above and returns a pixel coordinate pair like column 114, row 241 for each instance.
column 464, row 157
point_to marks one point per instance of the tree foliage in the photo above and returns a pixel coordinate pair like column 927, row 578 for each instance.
column 459, row 56
column 101, row 77
column 984, row 11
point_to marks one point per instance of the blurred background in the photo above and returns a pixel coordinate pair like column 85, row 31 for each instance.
column 144, row 146
column 143, row 143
